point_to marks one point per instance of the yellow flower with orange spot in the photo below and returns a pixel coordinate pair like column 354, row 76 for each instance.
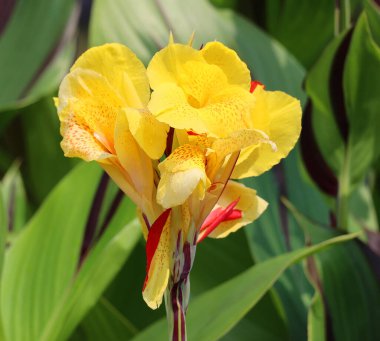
column 175, row 150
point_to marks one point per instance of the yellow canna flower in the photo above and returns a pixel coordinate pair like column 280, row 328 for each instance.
column 225, row 126
column 213, row 124
column 102, row 106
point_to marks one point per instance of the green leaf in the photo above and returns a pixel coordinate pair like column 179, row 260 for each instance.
column 294, row 23
column 44, row 163
column 361, row 82
column 33, row 60
column 51, row 243
column 105, row 322
column 98, row 270
column 265, row 321
column 214, row 313
column 44, row 297
column 325, row 127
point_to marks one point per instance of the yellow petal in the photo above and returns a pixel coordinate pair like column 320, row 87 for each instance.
column 132, row 158
column 182, row 173
column 200, row 81
column 226, row 59
column 159, row 266
column 224, row 113
column 87, row 102
column 227, row 111
column 249, row 204
column 149, row 133
column 238, row 140
column 125, row 73
column 166, row 65
column 169, row 105
column 279, row 116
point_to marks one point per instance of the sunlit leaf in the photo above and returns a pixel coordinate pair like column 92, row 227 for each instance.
column 44, row 297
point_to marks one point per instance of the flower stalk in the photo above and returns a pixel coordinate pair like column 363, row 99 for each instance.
column 177, row 293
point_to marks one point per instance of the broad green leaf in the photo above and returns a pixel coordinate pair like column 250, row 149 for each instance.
column 325, row 128
column 98, row 270
column 214, row 313
column 104, row 322
column 51, row 244
column 269, row 61
column 15, row 201
column 361, row 82
column 316, row 319
column 345, row 273
column 43, row 296
column 33, row 60
column 294, row 23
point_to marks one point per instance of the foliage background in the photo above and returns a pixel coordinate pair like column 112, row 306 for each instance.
column 71, row 254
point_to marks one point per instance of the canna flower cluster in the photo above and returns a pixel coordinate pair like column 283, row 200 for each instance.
column 172, row 137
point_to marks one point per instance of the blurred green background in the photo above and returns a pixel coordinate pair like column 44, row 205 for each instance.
column 72, row 258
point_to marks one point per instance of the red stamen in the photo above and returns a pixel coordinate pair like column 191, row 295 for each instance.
column 218, row 216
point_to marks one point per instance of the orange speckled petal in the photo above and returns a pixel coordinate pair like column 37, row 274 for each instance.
column 86, row 97
column 78, row 140
column 227, row 111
